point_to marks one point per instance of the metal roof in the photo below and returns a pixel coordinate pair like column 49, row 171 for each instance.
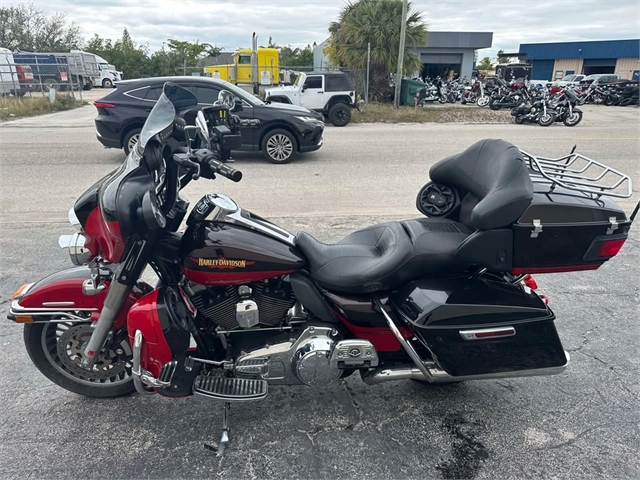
column 596, row 49
column 474, row 40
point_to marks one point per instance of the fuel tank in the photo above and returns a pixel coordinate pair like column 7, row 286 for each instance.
column 219, row 253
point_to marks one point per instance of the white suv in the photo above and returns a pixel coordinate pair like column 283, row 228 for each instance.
column 330, row 93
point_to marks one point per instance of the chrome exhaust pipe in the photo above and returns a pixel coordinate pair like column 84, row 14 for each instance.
column 437, row 375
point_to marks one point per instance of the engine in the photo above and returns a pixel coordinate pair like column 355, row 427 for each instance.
column 265, row 303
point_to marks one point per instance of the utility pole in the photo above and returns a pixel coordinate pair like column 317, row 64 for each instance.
column 403, row 33
column 366, row 91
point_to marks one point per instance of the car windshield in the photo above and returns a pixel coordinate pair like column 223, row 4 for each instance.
column 298, row 80
column 569, row 78
column 173, row 98
column 238, row 92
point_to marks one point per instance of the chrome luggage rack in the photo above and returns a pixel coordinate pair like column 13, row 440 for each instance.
column 579, row 173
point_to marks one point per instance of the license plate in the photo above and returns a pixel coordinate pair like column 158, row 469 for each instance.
column 28, row 76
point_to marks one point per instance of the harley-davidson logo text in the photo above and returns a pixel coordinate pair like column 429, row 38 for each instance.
column 222, row 263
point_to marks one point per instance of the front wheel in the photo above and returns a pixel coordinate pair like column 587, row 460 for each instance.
column 56, row 349
column 572, row 120
column 279, row 146
column 483, row 101
column 493, row 104
column 547, row 119
column 340, row 114
column 107, row 83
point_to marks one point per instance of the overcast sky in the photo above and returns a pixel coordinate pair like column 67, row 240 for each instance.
column 229, row 23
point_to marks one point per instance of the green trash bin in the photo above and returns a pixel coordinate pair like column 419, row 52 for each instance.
column 408, row 89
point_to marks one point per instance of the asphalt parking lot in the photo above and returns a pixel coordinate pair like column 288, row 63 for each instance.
column 584, row 423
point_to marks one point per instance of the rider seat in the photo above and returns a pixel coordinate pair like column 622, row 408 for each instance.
column 492, row 178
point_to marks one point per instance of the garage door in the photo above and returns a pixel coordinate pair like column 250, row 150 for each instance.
column 455, row 58
column 542, row 69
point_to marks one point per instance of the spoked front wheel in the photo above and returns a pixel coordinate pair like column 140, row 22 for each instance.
column 56, row 349
column 574, row 119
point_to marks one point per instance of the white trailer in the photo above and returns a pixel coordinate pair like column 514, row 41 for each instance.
column 9, row 82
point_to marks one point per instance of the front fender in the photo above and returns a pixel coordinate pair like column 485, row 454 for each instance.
column 577, row 110
column 61, row 297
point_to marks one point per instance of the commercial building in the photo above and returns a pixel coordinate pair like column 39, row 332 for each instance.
column 552, row 61
column 446, row 53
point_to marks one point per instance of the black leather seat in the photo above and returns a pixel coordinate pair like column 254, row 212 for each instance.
column 492, row 178
column 385, row 256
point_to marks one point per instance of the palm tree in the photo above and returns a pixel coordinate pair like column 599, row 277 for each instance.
column 376, row 22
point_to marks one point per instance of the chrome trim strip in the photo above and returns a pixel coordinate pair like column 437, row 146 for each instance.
column 16, row 308
column 58, row 304
column 272, row 230
column 500, row 333
column 437, row 375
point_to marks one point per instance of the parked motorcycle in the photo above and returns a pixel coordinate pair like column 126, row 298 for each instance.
column 565, row 108
column 509, row 100
column 534, row 111
column 242, row 305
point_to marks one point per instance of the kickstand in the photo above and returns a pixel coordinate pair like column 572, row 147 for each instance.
column 224, row 438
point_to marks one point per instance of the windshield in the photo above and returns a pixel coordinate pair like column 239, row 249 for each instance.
column 298, row 80
column 161, row 118
column 104, row 66
column 569, row 78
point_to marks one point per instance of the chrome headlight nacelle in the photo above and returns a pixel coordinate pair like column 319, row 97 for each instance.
column 75, row 244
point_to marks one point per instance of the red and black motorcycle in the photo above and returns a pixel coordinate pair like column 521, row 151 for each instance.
column 242, row 304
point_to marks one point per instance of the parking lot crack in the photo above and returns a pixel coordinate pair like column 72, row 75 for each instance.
column 571, row 441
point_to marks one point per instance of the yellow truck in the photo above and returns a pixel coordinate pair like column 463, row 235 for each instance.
column 241, row 71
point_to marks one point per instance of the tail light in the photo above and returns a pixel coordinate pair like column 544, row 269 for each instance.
column 103, row 105
column 610, row 248
column 63, row 76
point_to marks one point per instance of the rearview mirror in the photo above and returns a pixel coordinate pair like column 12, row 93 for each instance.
column 304, row 87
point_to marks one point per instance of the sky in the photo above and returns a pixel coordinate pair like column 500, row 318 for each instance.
column 230, row 23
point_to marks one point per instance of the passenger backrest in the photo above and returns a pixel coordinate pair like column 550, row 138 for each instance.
column 494, row 171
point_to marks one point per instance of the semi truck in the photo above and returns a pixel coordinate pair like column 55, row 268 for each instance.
column 107, row 74
column 251, row 67
column 61, row 70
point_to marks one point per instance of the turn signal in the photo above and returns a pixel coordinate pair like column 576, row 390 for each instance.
column 20, row 290
column 610, row 248
column 24, row 319
column 530, row 282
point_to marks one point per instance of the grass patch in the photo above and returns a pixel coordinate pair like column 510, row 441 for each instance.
column 386, row 113
column 16, row 107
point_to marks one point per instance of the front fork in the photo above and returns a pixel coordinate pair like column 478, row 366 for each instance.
column 125, row 277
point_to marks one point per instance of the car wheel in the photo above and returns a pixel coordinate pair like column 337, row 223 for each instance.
column 130, row 140
column 107, row 83
column 279, row 146
column 340, row 114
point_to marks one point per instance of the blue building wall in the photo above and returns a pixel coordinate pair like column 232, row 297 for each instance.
column 585, row 50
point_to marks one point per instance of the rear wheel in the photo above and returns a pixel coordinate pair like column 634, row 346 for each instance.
column 340, row 114
column 279, row 146
column 130, row 140
column 56, row 349
column 493, row 104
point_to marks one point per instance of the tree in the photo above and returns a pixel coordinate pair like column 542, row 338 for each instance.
column 485, row 64
column 376, row 22
column 296, row 57
column 25, row 27
column 502, row 59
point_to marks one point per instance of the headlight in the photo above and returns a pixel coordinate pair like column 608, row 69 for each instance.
column 308, row 119
column 75, row 246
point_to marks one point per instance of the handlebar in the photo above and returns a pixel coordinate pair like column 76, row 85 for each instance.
column 207, row 157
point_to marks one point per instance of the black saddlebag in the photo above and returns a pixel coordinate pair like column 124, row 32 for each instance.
column 477, row 326
column 564, row 231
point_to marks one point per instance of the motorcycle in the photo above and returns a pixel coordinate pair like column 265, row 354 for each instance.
column 593, row 94
column 508, row 95
column 432, row 92
column 242, row 305
column 565, row 108
column 534, row 111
